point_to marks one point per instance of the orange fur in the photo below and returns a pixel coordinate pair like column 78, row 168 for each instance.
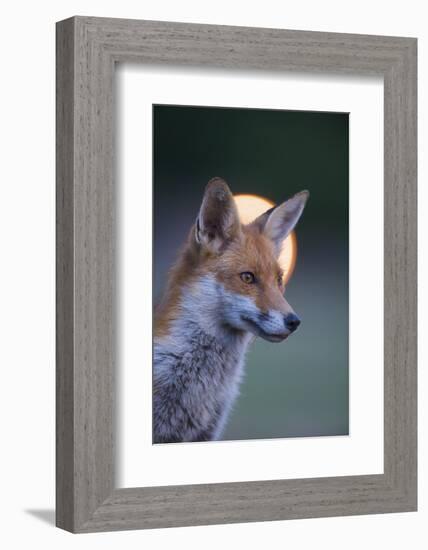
column 248, row 251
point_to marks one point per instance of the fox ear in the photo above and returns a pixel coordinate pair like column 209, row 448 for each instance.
column 218, row 221
column 279, row 222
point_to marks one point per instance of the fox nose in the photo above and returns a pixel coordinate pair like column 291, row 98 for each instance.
column 291, row 322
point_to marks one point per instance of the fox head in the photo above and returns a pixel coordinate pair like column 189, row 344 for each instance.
column 241, row 261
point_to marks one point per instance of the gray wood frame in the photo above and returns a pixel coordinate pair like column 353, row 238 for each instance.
column 87, row 50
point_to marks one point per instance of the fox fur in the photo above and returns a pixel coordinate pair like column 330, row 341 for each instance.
column 225, row 289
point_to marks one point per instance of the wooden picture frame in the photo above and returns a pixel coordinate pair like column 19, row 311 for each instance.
column 87, row 50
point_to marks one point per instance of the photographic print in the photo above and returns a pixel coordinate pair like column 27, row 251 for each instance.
column 220, row 178
column 250, row 274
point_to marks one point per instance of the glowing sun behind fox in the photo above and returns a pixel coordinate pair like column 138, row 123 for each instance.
column 252, row 206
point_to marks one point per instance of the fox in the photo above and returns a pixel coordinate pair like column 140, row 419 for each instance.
column 225, row 289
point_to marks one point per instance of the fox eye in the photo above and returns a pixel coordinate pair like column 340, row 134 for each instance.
column 280, row 280
column 248, row 277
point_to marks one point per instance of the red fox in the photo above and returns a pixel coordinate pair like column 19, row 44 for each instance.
column 225, row 289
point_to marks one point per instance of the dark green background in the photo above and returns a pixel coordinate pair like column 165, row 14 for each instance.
column 299, row 387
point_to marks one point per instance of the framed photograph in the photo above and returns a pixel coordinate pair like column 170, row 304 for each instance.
column 236, row 274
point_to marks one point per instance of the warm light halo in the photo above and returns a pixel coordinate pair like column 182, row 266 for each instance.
column 251, row 206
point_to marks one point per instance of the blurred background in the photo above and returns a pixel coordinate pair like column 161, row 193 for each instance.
column 298, row 388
